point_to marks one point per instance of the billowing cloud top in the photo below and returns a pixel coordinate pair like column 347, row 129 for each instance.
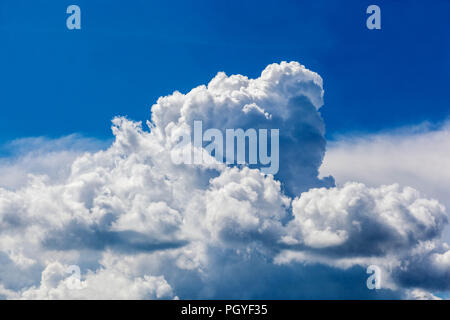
column 140, row 226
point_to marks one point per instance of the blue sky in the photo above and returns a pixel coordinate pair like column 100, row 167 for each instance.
column 56, row 82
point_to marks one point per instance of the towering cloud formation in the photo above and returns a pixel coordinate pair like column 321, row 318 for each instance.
column 286, row 96
column 140, row 226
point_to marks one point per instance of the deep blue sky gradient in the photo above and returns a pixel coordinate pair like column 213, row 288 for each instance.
column 55, row 82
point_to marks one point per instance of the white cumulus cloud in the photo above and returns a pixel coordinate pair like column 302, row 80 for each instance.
column 140, row 226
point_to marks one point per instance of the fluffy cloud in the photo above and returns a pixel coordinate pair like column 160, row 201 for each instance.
column 412, row 156
column 286, row 96
column 104, row 284
column 41, row 155
column 140, row 226
column 417, row 294
column 392, row 227
column 244, row 205
column 356, row 220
